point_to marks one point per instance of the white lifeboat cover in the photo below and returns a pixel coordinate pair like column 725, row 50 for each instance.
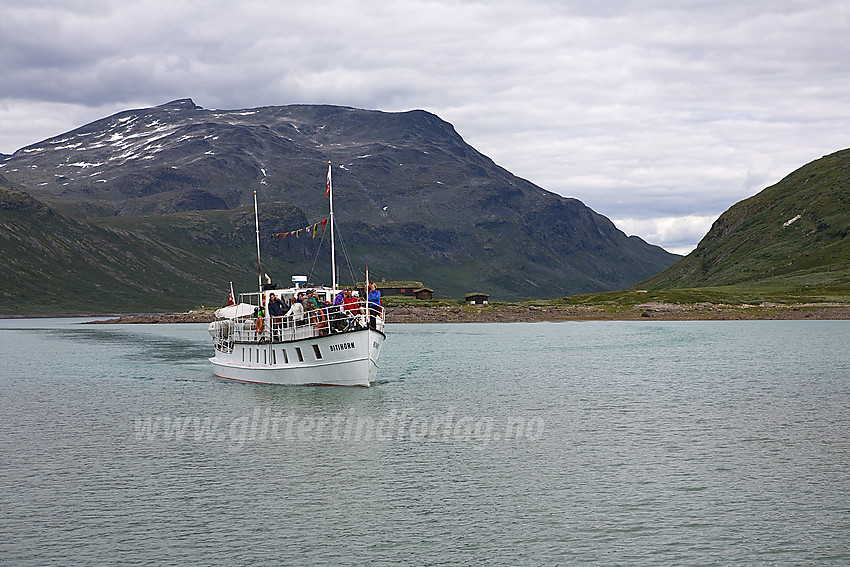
column 233, row 311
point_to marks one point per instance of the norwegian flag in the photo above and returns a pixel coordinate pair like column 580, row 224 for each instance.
column 328, row 189
column 231, row 300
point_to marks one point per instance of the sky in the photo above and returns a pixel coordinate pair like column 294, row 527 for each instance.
column 659, row 114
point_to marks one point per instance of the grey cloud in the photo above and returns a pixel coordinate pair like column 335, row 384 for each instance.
column 644, row 110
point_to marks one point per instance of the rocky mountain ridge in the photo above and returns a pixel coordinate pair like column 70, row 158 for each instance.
column 412, row 199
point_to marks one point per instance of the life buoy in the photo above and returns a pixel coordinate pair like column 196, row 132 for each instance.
column 319, row 318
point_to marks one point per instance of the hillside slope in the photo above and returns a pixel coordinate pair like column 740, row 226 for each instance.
column 56, row 264
column 792, row 234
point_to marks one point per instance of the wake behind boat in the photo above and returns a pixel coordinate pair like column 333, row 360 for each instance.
column 336, row 343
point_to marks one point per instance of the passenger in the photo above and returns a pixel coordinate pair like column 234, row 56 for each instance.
column 312, row 300
column 259, row 320
column 374, row 294
column 349, row 302
column 351, row 307
column 296, row 311
column 276, row 311
column 275, row 305
column 374, row 303
column 316, row 313
column 336, row 314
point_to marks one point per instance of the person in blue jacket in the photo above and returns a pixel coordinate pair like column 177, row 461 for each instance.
column 374, row 298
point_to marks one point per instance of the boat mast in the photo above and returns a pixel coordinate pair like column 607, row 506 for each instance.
column 257, row 225
column 331, row 218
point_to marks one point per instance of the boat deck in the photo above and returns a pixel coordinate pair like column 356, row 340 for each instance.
column 315, row 323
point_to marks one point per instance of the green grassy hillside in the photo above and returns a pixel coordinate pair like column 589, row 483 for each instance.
column 790, row 236
column 53, row 264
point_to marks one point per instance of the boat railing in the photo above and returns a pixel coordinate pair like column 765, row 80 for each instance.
column 314, row 323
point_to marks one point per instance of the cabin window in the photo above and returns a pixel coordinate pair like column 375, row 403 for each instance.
column 274, row 357
column 285, row 356
column 265, row 357
column 243, row 355
column 317, row 352
column 300, row 356
column 250, row 354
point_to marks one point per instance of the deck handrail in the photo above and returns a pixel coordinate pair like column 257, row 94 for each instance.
column 323, row 321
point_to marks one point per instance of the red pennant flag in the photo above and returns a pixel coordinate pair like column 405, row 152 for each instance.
column 231, row 300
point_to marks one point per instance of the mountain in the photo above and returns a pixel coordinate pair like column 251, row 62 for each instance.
column 792, row 234
column 413, row 201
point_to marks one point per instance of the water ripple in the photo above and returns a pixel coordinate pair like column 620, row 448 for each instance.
column 715, row 443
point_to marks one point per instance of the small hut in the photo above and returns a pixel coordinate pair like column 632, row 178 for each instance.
column 423, row 293
column 476, row 298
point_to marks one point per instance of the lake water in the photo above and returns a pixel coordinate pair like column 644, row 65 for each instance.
column 602, row 443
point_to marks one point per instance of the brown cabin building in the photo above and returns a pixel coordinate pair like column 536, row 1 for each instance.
column 406, row 288
column 476, row 298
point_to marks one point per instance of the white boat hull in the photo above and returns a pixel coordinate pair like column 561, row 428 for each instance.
column 342, row 359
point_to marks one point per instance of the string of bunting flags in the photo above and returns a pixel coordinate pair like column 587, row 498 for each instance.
column 309, row 229
column 313, row 228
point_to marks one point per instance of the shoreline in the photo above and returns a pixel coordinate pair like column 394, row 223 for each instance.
column 532, row 314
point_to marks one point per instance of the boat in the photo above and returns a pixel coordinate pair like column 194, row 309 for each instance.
column 334, row 345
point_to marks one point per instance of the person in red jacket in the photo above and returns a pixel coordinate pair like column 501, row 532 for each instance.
column 349, row 302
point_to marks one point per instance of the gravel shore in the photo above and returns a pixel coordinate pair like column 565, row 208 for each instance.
column 521, row 313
